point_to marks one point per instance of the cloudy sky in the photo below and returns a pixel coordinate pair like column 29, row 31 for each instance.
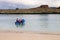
column 28, row 3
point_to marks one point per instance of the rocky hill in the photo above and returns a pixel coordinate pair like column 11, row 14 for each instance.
column 41, row 9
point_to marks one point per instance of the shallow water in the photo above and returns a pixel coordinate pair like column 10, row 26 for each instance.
column 36, row 23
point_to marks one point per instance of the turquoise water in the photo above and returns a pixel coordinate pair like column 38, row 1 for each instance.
column 36, row 23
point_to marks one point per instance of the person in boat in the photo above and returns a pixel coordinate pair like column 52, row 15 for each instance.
column 17, row 21
column 22, row 21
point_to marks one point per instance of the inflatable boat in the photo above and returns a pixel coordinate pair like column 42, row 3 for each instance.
column 18, row 23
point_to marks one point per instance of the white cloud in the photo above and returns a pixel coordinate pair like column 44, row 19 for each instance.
column 26, row 2
column 33, row 3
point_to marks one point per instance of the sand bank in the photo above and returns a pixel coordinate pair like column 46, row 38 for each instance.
column 7, row 35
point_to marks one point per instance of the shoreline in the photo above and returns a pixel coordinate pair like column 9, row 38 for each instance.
column 27, row 36
column 47, row 33
column 33, row 13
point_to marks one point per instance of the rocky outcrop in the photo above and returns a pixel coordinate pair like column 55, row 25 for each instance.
column 41, row 9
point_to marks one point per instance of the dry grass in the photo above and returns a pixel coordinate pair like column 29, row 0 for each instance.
column 33, row 10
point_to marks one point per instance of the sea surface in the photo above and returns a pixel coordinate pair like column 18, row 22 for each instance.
column 33, row 22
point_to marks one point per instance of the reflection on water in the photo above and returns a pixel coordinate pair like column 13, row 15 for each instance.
column 43, row 22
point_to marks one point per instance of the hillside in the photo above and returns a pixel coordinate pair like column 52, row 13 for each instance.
column 41, row 9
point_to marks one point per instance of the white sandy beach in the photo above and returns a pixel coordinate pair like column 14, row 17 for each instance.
column 27, row 36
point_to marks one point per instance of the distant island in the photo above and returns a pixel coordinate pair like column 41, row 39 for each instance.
column 41, row 9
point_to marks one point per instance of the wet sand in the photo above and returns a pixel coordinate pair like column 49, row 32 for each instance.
column 27, row 36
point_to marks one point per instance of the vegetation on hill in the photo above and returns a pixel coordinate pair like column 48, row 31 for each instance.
column 41, row 9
